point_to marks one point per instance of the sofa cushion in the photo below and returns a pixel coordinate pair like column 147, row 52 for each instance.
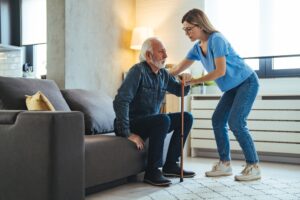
column 13, row 91
column 106, row 157
column 39, row 101
column 97, row 108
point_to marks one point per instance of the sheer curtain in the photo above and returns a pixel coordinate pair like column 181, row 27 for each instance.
column 258, row 28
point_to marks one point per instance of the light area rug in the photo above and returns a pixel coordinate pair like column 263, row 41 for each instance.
column 226, row 188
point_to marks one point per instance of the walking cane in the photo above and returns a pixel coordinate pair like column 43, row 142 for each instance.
column 182, row 129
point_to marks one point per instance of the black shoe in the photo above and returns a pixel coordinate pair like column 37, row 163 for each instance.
column 174, row 171
column 155, row 177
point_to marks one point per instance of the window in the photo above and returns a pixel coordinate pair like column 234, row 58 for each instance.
column 33, row 22
column 254, row 63
column 40, row 59
column 34, row 34
column 264, row 32
column 286, row 63
column 275, row 66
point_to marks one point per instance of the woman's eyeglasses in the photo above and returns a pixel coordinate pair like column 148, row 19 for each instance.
column 188, row 29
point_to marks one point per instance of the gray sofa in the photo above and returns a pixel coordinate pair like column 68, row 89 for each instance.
column 60, row 155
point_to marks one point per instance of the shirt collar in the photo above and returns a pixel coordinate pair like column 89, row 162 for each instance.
column 149, row 71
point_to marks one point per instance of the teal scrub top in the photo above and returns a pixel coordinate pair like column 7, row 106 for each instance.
column 237, row 70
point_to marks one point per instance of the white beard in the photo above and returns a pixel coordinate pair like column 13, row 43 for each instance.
column 158, row 64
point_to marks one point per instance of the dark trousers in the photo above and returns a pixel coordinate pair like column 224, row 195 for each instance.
column 156, row 127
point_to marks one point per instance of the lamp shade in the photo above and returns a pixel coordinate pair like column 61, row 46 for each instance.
column 139, row 35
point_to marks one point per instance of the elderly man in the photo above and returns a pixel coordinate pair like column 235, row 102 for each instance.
column 137, row 107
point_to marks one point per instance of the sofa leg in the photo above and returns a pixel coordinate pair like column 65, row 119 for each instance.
column 136, row 178
column 104, row 186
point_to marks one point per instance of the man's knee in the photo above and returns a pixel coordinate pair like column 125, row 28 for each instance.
column 163, row 123
column 188, row 120
column 188, row 117
column 165, row 120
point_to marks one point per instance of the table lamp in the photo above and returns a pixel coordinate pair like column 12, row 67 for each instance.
column 139, row 35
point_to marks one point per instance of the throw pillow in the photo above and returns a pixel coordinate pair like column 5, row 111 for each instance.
column 38, row 101
column 13, row 91
column 96, row 106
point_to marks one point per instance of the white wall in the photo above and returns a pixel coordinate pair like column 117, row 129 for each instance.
column 88, row 42
column 164, row 16
column 56, row 41
column 97, row 43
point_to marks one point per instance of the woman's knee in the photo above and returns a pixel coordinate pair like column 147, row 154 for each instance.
column 217, row 121
column 237, row 125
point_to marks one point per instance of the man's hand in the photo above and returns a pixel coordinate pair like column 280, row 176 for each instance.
column 139, row 142
column 187, row 77
column 195, row 81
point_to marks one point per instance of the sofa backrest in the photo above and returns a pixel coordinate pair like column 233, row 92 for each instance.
column 96, row 106
column 13, row 91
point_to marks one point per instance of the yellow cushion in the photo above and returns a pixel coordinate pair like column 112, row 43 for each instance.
column 38, row 101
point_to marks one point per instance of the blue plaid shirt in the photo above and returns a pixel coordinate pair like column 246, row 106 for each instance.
column 141, row 94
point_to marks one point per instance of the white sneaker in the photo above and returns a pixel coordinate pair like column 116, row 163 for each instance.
column 219, row 169
column 250, row 173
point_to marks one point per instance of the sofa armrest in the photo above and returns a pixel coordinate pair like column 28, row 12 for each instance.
column 41, row 155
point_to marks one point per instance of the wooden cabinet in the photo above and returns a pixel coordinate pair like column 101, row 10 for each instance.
column 172, row 103
column 274, row 123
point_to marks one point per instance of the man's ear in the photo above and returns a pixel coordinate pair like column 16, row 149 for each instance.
column 148, row 55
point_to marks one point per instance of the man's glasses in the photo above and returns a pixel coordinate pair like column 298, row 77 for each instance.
column 188, row 29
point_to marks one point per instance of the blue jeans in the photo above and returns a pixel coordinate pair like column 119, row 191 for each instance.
column 233, row 109
column 156, row 127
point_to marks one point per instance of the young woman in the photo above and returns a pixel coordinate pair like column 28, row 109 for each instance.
column 239, row 84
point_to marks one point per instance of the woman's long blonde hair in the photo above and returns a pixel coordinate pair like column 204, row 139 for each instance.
column 199, row 18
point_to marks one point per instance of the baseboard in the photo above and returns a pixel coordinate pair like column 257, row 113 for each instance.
column 263, row 156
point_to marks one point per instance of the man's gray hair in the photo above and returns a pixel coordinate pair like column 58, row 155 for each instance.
column 147, row 46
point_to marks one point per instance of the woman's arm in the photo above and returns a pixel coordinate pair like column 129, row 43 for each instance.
column 220, row 70
column 183, row 65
